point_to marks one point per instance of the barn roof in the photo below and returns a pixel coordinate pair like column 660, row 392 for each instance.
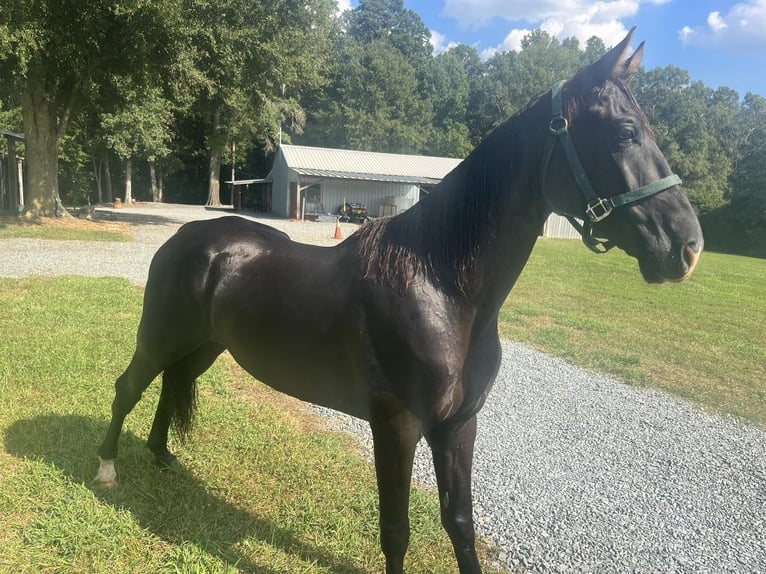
column 13, row 135
column 367, row 165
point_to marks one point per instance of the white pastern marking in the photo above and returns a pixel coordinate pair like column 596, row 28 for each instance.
column 107, row 475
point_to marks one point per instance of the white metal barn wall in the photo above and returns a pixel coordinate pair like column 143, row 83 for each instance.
column 280, row 193
column 558, row 227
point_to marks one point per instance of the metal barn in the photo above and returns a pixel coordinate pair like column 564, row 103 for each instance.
column 308, row 181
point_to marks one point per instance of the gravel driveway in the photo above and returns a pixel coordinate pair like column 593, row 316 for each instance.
column 574, row 471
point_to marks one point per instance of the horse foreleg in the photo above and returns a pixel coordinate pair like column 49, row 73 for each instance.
column 452, row 448
column 177, row 397
column 128, row 390
column 395, row 436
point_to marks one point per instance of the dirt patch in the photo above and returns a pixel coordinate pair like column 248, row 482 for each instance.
column 81, row 223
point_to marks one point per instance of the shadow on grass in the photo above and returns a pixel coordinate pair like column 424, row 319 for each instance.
column 133, row 218
column 172, row 504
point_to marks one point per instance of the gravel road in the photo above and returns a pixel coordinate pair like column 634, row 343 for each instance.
column 574, row 471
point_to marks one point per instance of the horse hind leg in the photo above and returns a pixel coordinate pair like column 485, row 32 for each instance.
column 178, row 399
column 129, row 388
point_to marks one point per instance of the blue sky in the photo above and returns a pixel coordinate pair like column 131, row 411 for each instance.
column 720, row 42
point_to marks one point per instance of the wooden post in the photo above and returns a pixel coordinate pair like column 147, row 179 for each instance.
column 15, row 172
column 20, row 165
column 13, row 179
column 233, row 176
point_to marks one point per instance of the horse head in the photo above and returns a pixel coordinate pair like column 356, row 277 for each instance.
column 603, row 166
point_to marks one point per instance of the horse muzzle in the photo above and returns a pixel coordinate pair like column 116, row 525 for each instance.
column 676, row 266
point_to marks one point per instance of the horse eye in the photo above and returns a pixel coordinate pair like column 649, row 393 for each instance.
column 627, row 133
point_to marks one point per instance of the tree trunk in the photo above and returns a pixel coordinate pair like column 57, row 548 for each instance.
column 41, row 141
column 214, row 168
column 128, row 182
column 153, row 180
column 108, row 179
column 97, row 177
column 214, row 179
column 160, row 185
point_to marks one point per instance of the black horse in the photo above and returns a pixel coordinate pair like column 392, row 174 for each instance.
column 398, row 324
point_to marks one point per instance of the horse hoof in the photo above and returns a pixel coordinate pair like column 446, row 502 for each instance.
column 166, row 460
column 107, row 475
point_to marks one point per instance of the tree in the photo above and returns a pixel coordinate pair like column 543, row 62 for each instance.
column 694, row 126
column 453, row 85
column 389, row 21
column 748, row 196
column 52, row 52
column 140, row 128
column 374, row 102
column 379, row 93
column 594, row 50
column 513, row 78
column 254, row 59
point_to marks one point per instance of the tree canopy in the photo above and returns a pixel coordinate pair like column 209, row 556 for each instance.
column 53, row 54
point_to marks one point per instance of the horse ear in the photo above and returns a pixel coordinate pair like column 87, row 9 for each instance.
column 614, row 63
column 632, row 63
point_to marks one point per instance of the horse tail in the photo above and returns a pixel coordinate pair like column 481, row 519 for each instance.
column 179, row 386
column 181, row 394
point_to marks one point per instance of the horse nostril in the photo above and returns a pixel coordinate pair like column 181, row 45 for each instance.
column 691, row 254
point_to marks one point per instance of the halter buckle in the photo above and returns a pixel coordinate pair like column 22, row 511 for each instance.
column 599, row 209
column 558, row 125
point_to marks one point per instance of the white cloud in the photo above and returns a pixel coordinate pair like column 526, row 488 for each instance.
column 715, row 21
column 512, row 42
column 611, row 31
column 440, row 43
column 476, row 13
column 343, row 5
column 581, row 19
column 741, row 30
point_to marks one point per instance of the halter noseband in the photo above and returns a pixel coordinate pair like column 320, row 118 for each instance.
column 597, row 208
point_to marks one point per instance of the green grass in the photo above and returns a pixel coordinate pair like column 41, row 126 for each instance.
column 702, row 340
column 69, row 229
column 262, row 488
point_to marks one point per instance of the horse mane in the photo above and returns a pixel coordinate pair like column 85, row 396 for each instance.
column 440, row 237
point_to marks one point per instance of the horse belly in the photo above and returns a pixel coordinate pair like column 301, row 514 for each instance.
column 318, row 374
column 296, row 348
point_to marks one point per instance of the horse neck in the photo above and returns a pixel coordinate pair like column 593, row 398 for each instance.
column 490, row 209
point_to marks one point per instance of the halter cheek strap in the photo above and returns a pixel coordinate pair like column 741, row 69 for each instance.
column 597, row 208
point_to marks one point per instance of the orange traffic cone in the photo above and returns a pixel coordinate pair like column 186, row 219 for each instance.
column 338, row 234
